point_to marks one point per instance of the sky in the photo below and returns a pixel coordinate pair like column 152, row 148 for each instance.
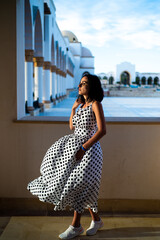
column 115, row 31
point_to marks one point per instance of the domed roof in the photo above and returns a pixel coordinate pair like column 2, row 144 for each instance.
column 86, row 52
column 71, row 36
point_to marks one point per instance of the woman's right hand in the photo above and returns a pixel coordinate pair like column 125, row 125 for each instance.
column 76, row 103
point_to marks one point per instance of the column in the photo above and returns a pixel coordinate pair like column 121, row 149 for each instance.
column 58, row 82
column 65, row 79
column 29, row 79
column 53, row 81
column 46, row 82
column 61, row 84
column 38, row 66
column 140, row 81
column 64, row 84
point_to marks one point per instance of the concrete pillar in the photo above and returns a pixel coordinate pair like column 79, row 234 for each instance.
column 58, row 82
column 61, row 84
column 64, row 84
column 29, row 79
column 46, row 82
column 140, row 81
column 38, row 66
column 65, row 77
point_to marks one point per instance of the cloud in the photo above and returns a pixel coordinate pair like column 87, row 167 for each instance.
column 146, row 39
column 100, row 23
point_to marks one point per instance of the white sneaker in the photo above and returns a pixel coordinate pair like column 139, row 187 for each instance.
column 71, row 232
column 95, row 225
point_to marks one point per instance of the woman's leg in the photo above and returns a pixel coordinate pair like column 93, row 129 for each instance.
column 76, row 219
column 95, row 216
column 75, row 230
column 96, row 223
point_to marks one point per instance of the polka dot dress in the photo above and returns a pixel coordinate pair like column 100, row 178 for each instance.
column 65, row 181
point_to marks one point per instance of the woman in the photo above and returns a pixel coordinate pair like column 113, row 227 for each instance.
column 71, row 169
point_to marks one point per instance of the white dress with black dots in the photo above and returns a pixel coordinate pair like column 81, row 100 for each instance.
column 65, row 181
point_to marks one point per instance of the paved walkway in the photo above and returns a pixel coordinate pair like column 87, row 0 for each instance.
column 131, row 227
column 113, row 107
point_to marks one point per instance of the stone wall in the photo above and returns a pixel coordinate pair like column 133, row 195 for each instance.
column 132, row 92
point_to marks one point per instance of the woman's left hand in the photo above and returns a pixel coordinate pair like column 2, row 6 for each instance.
column 80, row 154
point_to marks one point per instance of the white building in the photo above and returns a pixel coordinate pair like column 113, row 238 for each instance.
column 54, row 61
column 126, row 74
column 148, row 78
column 83, row 59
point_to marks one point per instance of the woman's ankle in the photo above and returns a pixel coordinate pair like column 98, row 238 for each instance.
column 77, row 225
column 96, row 219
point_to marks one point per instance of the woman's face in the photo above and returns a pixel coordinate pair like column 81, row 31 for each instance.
column 84, row 86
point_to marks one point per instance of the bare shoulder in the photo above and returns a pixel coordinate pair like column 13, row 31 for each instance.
column 96, row 105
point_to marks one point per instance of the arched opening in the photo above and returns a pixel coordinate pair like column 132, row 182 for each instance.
column 38, row 36
column 52, row 80
column 37, row 53
column 63, row 63
column 150, row 81
column 61, row 57
column 57, row 55
column 143, row 80
column 138, row 80
column 125, row 78
column 28, row 26
column 111, row 80
column 57, row 65
column 156, row 80
column 52, row 52
column 65, row 57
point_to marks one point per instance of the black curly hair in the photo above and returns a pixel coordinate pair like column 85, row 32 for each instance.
column 95, row 89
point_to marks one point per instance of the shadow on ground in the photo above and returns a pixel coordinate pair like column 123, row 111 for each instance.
column 126, row 233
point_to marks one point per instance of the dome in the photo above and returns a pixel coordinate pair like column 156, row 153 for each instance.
column 86, row 52
column 71, row 36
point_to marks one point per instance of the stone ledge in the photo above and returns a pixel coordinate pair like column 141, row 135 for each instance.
column 109, row 120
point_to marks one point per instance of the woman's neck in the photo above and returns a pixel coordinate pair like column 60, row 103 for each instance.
column 87, row 99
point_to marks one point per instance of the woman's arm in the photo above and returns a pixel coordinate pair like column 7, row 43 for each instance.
column 98, row 111
column 75, row 105
column 70, row 120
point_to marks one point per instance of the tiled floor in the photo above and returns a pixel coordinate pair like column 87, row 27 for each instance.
column 114, row 107
column 139, row 227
